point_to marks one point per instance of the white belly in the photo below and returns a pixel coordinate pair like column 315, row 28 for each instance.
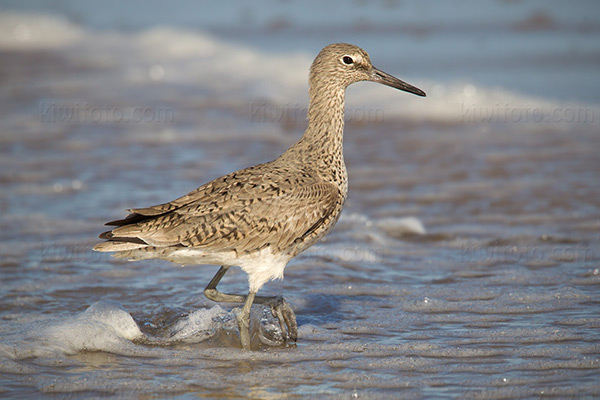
column 261, row 266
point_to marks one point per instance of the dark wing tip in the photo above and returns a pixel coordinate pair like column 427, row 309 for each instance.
column 130, row 219
column 106, row 235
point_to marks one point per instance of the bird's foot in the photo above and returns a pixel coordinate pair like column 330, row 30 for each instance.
column 281, row 310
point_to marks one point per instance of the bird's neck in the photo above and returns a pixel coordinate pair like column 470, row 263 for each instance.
column 325, row 133
column 321, row 147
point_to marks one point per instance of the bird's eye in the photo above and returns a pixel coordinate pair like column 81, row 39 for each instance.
column 347, row 60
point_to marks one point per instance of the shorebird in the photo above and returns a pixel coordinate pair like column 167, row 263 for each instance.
column 261, row 217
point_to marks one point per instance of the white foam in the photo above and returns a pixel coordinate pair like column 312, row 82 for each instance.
column 371, row 239
column 202, row 324
column 401, row 226
column 104, row 326
column 231, row 70
column 373, row 230
column 31, row 31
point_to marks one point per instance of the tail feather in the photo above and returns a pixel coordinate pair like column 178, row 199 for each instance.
column 118, row 246
column 109, row 235
column 117, row 243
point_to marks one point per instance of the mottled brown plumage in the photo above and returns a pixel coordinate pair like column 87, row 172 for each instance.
column 260, row 217
column 268, row 205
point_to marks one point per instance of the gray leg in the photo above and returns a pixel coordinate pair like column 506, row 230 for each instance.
column 213, row 294
column 244, row 321
column 279, row 308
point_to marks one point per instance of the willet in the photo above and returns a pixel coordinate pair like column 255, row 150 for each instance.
column 261, row 217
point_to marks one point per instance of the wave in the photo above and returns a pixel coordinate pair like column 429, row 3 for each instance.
column 238, row 73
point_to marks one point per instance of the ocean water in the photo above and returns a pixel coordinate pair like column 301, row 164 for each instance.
column 467, row 260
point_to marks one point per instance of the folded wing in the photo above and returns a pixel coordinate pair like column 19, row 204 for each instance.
column 236, row 212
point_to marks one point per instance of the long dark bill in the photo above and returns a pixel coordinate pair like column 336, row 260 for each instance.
column 386, row 79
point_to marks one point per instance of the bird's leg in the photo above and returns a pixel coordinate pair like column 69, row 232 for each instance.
column 244, row 321
column 280, row 309
column 213, row 294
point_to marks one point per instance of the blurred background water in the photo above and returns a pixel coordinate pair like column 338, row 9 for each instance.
column 466, row 263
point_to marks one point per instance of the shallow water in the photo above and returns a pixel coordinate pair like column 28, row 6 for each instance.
column 466, row 263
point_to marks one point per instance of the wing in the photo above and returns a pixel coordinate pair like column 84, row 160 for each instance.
column 204, row 194
column 243, row 211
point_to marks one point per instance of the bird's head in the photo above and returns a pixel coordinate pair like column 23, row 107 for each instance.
column 342, row 64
